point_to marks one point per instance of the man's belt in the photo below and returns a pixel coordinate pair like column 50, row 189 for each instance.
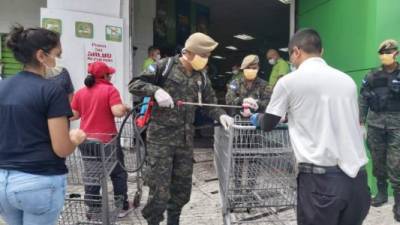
column 314, row 169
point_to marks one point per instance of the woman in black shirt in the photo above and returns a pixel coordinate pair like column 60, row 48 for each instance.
column 34, row 139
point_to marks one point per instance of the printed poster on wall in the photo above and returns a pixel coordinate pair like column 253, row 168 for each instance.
column 84, row 29
column 52, row 24
column 113, row 33
column 98, row 51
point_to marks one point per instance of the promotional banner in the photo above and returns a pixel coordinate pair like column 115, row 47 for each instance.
column 96, row 51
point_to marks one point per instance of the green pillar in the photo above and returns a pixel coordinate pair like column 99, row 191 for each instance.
column 351, row 31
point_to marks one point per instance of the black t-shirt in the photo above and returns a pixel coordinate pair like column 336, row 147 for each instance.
column 64, row 80
column 27, row 101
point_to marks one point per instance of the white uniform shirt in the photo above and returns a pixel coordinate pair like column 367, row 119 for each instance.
column 322, row 108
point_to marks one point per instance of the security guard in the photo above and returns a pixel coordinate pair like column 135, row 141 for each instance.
column 248, row 90
column 380, row 109
column 170, row 131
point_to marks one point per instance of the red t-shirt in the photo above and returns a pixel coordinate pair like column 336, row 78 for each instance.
column 94, row 106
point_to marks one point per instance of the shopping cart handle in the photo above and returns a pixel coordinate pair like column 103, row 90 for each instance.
column 281, row 126
column 244, row 127
column 179, row 103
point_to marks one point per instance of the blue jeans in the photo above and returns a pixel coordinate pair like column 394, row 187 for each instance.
column 28, row 199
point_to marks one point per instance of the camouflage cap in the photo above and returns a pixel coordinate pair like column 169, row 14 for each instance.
column 249, row 60
column 200, row 43
column 388, row 45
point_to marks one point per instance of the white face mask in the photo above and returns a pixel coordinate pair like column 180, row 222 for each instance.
column 293, row 68
column 235, row 72
column 272, row 61
column 56, row 70
column 158, row 57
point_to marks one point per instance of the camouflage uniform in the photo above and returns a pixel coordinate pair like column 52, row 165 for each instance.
column 170, row 138
column 383, row 137
column 236, row 77
column 237, row 91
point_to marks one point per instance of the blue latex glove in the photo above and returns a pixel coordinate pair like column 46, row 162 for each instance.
column 145, row 103
column 254, row 119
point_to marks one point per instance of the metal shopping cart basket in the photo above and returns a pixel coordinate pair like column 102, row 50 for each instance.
column 256, row 172
column 131, row 143
column 89, row 170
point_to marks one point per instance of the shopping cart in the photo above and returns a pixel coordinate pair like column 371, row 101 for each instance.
column 89, row 169
column 130, row 141
column 256, row 172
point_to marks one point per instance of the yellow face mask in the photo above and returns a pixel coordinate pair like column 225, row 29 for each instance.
column 250, row 74
column 387, row 59
column 198, row 63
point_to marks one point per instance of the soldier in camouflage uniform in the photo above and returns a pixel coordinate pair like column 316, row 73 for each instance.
column 252, row 93
column 248, row 90
column 380, row 110
column 170, row 131
column 236, row 74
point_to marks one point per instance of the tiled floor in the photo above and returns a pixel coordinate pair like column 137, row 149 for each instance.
column 204, row 207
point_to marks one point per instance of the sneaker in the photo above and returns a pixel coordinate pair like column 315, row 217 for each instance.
column 124, row 212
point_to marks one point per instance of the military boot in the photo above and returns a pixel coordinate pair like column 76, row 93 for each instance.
column 173, row 218
column 396, row 207
column 382, row 196
column 153, row 223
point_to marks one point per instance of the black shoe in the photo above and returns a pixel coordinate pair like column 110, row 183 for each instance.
column 382, row 196
column 379, row 199
column 173, row 218
column 152, row 223
column 173, row 221
column 93, row 213
column 396, row 207
column 149, row 223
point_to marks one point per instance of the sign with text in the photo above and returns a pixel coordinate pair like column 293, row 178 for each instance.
column 84, row 40
column 96, row 51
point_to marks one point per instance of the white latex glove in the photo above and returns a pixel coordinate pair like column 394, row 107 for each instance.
column 364, row 132
column 246, row 112
column 251, row 102
column 163, row 98
column 226, row 121
column 77, row 136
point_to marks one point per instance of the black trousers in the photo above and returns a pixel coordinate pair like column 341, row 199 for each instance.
column 332, row 199
column 119, row 177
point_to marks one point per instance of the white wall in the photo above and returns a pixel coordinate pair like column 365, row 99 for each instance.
column 100, row 7
column 27, row 13
column 24, row 12
column 144, row 14
column 111, row 8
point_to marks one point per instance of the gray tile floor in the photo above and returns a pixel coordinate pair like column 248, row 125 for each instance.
column 204, row 207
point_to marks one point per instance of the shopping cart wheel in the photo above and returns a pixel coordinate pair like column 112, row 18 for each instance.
column 136, row 199
column 227, row 218
column 74, row 195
